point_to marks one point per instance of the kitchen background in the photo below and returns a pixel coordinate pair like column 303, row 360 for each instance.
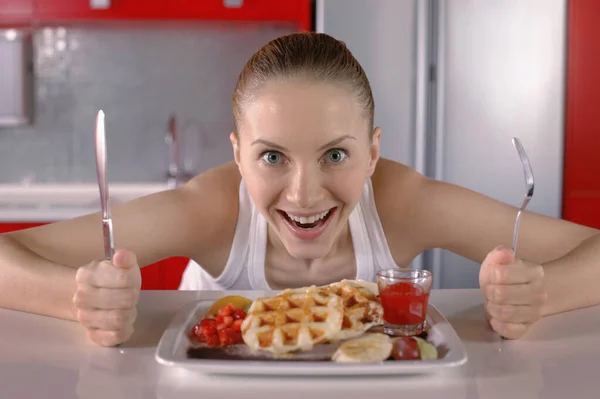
column 139, row 76
column 453, row 80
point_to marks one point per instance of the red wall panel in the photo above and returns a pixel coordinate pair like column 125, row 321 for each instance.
column 581, row 190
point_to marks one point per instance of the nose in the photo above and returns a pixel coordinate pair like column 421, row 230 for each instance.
column 305, row 189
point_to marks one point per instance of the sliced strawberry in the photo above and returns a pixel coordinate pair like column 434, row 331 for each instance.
column 226, row 310
column 212, row 340
column 237, row 338
column 223, row 338
column 197, row 330
column 237, row 325
column 239, row 314
column 207, row 322
column 228, row 321
column 209, row 330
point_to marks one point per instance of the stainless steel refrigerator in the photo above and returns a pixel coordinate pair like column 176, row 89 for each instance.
column 453, row 82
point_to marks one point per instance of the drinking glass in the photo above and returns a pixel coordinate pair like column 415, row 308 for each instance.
column 404, row 295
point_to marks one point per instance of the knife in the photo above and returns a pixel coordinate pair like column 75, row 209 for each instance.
column 107, row 229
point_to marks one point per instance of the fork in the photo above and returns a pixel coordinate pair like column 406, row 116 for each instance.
column 529, row 184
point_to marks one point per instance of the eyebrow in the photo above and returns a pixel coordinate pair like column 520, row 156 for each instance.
column 282, row 148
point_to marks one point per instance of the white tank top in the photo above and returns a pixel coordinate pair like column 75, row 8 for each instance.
column 245, row 268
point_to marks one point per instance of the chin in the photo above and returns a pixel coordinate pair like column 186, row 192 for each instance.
column 305, row 251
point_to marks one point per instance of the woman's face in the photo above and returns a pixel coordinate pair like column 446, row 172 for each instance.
column 304, row 151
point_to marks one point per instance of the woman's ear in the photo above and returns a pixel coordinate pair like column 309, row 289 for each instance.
column 233, row 137
column 374, row 151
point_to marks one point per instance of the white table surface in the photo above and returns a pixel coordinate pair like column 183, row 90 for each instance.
column 41, row 357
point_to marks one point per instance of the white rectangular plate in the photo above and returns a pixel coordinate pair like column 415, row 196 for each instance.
column 173, row 346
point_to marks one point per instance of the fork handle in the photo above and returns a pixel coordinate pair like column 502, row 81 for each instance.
column 516, row 232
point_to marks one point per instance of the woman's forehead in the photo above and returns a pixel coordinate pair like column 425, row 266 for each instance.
column 302, row 107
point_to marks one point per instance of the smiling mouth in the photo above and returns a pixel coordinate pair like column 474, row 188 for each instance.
column 307, row 223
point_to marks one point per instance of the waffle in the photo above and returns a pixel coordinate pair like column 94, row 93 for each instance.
column 362, row 308
column 293, row 320
column 299, row 319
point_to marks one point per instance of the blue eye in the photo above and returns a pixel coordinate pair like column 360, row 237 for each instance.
column 336, row 156
column 271, row 157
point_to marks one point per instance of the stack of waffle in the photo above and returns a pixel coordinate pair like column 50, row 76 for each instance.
column 298, row 319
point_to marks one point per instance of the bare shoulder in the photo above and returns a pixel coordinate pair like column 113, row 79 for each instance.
column 215, row 186
column 212, row 202
column 196, row 220
column 394, row 187
column 419, row 213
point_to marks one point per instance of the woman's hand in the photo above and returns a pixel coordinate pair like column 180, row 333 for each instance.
column 513, row 292
column 106, row 298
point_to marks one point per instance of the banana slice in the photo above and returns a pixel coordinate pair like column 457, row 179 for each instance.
column 371, row 347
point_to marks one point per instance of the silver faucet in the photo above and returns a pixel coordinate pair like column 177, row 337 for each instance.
column 176, row 175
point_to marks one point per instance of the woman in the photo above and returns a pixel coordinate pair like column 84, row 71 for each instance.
column 306, row 201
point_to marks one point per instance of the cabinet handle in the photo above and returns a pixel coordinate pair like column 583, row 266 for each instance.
column 233, row 3
column 99, row 4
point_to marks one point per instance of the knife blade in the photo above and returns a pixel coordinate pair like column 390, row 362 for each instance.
column 107, row 228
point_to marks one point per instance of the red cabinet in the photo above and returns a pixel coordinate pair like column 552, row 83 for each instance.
column 581, row 183
column 69, row 10
column 163, row 275
column 8, row 227
column 16, row 10
column 295, row 11
column 291, row 11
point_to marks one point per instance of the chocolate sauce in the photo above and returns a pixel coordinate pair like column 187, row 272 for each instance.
column 321, row 353
column 207, row 353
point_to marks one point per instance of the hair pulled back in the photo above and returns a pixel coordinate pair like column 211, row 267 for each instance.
column 309, row 55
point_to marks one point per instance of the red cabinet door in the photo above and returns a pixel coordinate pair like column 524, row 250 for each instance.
column 295, row 11
column 8, row 227
column 164, row 275
column 292, row 11
column 68, row 10
column 581, row 184
column 16, row 11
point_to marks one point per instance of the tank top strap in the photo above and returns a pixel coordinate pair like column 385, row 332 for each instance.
column 242, row 243
column 380, row 254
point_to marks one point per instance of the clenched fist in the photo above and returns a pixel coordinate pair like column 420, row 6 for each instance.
column 513, row 292
column 106, row 298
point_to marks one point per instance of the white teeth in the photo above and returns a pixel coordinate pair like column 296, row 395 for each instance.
column 306, row 220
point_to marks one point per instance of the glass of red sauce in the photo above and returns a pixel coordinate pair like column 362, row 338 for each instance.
column 404, row 295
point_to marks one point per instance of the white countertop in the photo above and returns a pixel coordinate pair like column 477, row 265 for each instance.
column 54, row 202
column 42, row 357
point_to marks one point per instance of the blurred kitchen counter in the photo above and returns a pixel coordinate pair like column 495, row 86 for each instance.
column 37, row 203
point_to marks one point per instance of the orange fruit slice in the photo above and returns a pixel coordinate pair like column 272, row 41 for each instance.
column 239, row 302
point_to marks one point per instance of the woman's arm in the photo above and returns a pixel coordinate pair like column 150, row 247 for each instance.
column 472, row 225
column 426, row 214
column 38, row 265
column 571, row 281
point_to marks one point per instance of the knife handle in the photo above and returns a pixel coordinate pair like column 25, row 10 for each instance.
column 109, row 241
